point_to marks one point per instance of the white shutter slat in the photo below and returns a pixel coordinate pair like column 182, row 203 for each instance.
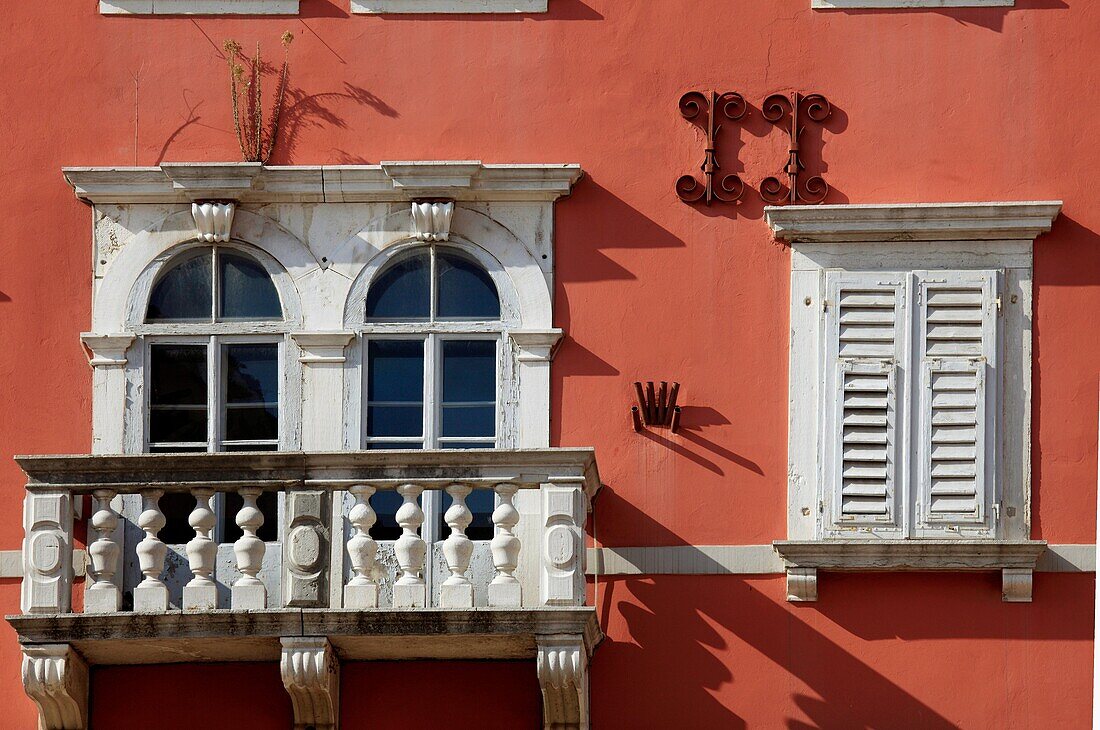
column 863, row 324
column 956, row 346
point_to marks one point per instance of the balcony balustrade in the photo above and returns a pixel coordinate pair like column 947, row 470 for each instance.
column 326, row 590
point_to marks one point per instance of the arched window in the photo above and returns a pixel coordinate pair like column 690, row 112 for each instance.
column 433, row 337
column 214, row 335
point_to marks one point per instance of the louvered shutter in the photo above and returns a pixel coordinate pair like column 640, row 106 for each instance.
column 957, row 348
column 865, row 344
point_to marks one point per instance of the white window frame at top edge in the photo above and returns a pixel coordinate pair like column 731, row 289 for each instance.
column 907, row 4
column 198, row 7
column 372, row 7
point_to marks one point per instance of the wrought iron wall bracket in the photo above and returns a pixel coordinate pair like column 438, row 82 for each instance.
column 790, row 112
column 656, row 406
column 729, row 188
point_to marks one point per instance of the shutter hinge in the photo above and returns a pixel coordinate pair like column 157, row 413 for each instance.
column 821, row 506
column 997, row 511
column 824, row 305
column 918, row 513
column 1000, row 310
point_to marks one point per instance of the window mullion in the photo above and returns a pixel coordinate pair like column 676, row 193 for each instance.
column 214, row 394
column 431, row 391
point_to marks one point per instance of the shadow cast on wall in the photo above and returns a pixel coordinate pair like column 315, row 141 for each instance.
column 683, row 635
column 990, row 18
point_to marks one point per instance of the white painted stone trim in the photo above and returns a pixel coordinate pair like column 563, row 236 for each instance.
column 311, row 675
column 251, row 182
column 448, row 6
column 912, row 221
column 902, row 4
column 562, row 664
column 764, row 560
column 198, row 7
column 55, row 677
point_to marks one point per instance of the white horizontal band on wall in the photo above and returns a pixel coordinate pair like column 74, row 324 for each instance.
column 11, row 563
column 902, row 4
column 763, row 560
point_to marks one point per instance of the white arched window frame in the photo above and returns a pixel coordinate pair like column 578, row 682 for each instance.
column 217, row 335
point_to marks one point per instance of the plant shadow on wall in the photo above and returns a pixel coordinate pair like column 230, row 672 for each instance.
column 991, row 18
column 746, row 197
column 292, row 112
column 680, row 640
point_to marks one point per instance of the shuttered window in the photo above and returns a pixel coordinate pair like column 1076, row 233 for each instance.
column 866, row 344
column 909, row 419
column 957, row 347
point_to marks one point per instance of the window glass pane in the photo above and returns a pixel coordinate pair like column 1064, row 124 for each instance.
column 247, row 291
column 251, row 392
column 268, row 503
column 177, row 394
column 403, row 290
column 183, row 292
column 385, row 504
column 395, row 388
column 395, row 445
column 466, row 290
column 481, row 502
column 469, row 388
column 177, row 507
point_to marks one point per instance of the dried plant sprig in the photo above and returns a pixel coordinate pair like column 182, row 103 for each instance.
column 256, row 142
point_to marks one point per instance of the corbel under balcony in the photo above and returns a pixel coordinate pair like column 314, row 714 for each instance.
column 1015, row 559
column 252, row 182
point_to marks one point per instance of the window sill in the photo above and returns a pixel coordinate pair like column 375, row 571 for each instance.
column 908, row 4
column 1015, row 559
column 198, row 7
column 448, row 6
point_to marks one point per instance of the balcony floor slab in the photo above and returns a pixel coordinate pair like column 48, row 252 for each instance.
column 237, row 636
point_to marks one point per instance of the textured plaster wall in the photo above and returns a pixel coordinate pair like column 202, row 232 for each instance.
column 930, row 105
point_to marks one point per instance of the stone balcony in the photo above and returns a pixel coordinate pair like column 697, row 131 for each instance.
column 325, row 591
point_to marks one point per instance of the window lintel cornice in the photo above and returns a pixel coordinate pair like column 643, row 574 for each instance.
column 251, row 182
column 989, row 221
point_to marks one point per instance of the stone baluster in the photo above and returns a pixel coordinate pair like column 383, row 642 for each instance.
column 249, row 591
column 151, row 595
column 409, row 591
column 505, row 590
column 362, row 590
column 457, row 591
column 201, row 593
column 103, row 595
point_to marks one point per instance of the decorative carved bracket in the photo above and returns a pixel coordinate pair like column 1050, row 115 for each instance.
column 106, row 350
column 730, row 188
column 55, row 677
column 563, row 675
column 536, row 345
column 213, row 220
column 779, row 109
column 311, row 675
column 432, row 219
column 656, row 407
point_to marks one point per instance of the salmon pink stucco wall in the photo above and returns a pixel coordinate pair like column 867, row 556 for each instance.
column 930, row 105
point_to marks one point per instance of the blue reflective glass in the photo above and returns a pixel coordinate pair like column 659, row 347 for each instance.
column 469, row 388
column 177, row 394
column 183, row 293
column 403, row 290
column 466, row 290
column 247, row 291
column 395, row 388
column 481, row 502
column 469, row 371
column 395, row 370
column 389, row 421
column 385, row 504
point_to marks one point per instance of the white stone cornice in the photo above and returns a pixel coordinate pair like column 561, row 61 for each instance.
column 250, row 182
column 55, row 677
column 322, row 347
column 106, row 350
column 311, row 675
column 912, row 222
column 536, row 345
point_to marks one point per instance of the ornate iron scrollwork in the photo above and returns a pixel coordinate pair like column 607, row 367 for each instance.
column 777, row 109
column 730, row 188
